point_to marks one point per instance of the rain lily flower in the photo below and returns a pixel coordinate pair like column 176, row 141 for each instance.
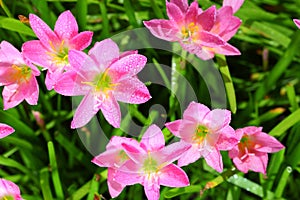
column 52, row 48
column 207, row 131
column 199, row 32
column 151, row 165
column 113, row 158
column 18, row 76
column 251, row 153
column 9, row 190
column 297, row 22
column 5, row 130
column 104, row 76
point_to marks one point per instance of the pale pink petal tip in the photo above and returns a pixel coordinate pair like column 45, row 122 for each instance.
column 5, row 130
column 297, row 22
column 235, row 4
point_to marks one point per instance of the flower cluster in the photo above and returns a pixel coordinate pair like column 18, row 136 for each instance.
column 203, row 133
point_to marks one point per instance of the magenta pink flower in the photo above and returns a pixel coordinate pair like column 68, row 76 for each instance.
column 5, row 130
column 9, row 190
column 51, row 50
column 151, row 165
column 104, row 77
column 251, row 153
column 297, row 22
column 113, row 158
column 18, row 76
column 207, row 131
column 203, row 33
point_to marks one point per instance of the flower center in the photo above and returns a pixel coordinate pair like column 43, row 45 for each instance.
column 200, row 134
column 150, row 165
column 189, row 32
column 22, row 73
column 59, row 54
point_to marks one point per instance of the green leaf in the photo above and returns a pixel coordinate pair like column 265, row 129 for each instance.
column 15, row 25
column 283, row 181
column 54, row 171
column 45, row 186
column 285, row 124
column 81, row 13
column 221, row 59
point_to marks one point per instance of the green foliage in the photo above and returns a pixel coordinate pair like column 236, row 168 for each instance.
column 262, row 89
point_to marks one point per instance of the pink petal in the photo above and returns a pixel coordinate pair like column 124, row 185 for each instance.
column 111, row 111
column 9, row 54
column 182, row 4
column 207, row 18
column 208, row 39
column 190, row 156
column 52, row 77
column 83, row 64
column 85, row 111
column 174, row 127
column 227, row 139
column 249, row 130
column 104, row 53
column 128, row 174
column 235, row 4
column 163, row 29
column 32, row 91
column 214, row 159
column 108, row 158
column 37, row 53
column 173, row 176
column 174, row 12
column 151, row 188
column 153, row 139
column 70, row 84
column 266, row 143
column 5, row 130
column 9, row 188
column 234, row 152
column 127, row 67
column 7, row 74
column 206, row 53
column 195, row 112
column 66, row 26
column 82, row 40
column 257, row 163
column 114, row 187
column 187, row 130
column 135, row 153
column 12, row 96
column 217, row 119
column 132, row 90
column 192, row 13
column 117, row 141
column 42, row 30
column 192, row 48
column 227, row 49
column 297, row 22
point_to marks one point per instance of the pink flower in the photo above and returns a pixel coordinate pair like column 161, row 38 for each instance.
column 9, row 190
column 151, row 165
column 235, row 4
column 17, row 74
column 203, row 33
column 5, row 130
column 251, row 153
column 297, row 22
column 51, row 50
column 103, row 77
column 113, row 158
column 207, row 131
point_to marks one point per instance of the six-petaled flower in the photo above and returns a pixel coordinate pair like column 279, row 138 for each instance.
column 9, row 190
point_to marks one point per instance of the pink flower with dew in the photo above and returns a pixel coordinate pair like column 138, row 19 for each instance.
column 5, row 130
column 104, row 77
column 199, row 32
column 208, row 132
column 113, row 158
column 151, row 165
column 52, row 48
column 251, row 153
column 235, row 4
column 9, row 190
column 18, row 76
column 297, row 22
